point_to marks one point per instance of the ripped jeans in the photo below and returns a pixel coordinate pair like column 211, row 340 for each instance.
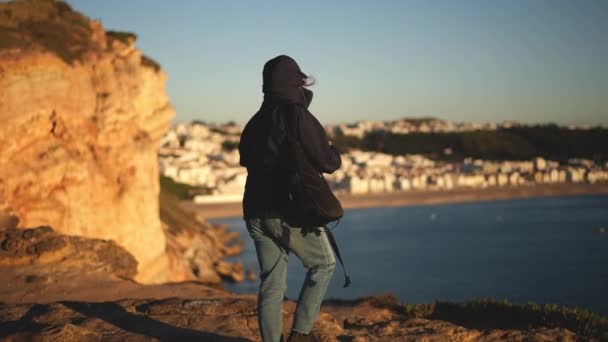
column 313, row 249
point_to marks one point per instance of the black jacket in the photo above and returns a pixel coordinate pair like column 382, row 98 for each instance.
column 263, row 137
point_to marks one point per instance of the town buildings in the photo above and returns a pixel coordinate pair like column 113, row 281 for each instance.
column 206, row 157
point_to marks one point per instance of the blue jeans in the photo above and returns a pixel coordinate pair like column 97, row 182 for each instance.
column 274, row 239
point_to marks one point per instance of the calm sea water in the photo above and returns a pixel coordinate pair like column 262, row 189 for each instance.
column 546, row 250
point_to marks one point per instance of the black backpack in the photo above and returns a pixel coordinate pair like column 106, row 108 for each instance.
column 311, row 202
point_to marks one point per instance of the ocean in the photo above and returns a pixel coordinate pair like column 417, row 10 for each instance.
column 544, row 249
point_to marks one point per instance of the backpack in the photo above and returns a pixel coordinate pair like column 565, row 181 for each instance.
column 311, row 202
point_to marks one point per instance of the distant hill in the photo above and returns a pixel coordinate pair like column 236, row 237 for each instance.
column 513, row 143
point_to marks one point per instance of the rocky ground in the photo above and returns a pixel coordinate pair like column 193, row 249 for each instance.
column 66, row 288
column 226, row 318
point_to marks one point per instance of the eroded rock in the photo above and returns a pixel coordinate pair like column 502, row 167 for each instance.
column 195, row 248
column 48, row 251
column 82, row 113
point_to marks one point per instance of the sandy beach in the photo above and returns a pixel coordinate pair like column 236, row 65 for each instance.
column 421, row 197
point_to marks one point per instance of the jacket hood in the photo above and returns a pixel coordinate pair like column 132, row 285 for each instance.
column 284, row 81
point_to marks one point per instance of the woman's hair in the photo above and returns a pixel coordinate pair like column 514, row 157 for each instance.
column 309, row 81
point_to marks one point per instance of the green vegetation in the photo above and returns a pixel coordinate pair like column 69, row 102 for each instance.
column 485, row 314
column 516, row 143
column 228, row 145
column 9, row 38
column 504, row 314
column 173, row 215
column 199, row 122
column 125, row 37
column 180, row 190
column 51, row 25
column 149, row 62
column 63, row 6
column 218, row 130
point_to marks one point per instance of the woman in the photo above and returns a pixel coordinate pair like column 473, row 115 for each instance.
column 266, row 195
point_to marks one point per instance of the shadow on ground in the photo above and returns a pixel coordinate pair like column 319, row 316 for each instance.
column 107, row 318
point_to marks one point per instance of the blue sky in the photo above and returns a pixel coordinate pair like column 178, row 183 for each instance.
column 478, row 60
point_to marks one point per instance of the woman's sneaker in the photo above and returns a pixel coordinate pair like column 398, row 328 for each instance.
column 295, row 336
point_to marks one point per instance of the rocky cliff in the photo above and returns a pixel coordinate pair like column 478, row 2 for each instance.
column 81, row 113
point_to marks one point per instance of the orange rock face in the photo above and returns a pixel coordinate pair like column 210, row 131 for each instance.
column 81, row 114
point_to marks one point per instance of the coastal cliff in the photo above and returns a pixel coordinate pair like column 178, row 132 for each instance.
column 82, row 112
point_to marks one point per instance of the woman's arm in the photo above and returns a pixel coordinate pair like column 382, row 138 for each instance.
column 316, row 144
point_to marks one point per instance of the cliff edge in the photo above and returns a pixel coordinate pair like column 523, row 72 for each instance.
column 82, row 112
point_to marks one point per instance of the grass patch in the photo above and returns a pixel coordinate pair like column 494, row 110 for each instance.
column 173, row 215
column 125, row 37
column 229, row 145
column 63, row 6
column 179, row 190
column 485, row 314
column 9, row 38
column 54, row 26
column 150, row 63
column 218, row 130
column 198, row 122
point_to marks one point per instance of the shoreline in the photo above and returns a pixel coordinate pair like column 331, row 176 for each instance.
column 421, row 197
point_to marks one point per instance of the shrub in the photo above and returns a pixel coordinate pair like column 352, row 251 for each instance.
column 229, row 145
column 125, row 37
column 149, row 62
